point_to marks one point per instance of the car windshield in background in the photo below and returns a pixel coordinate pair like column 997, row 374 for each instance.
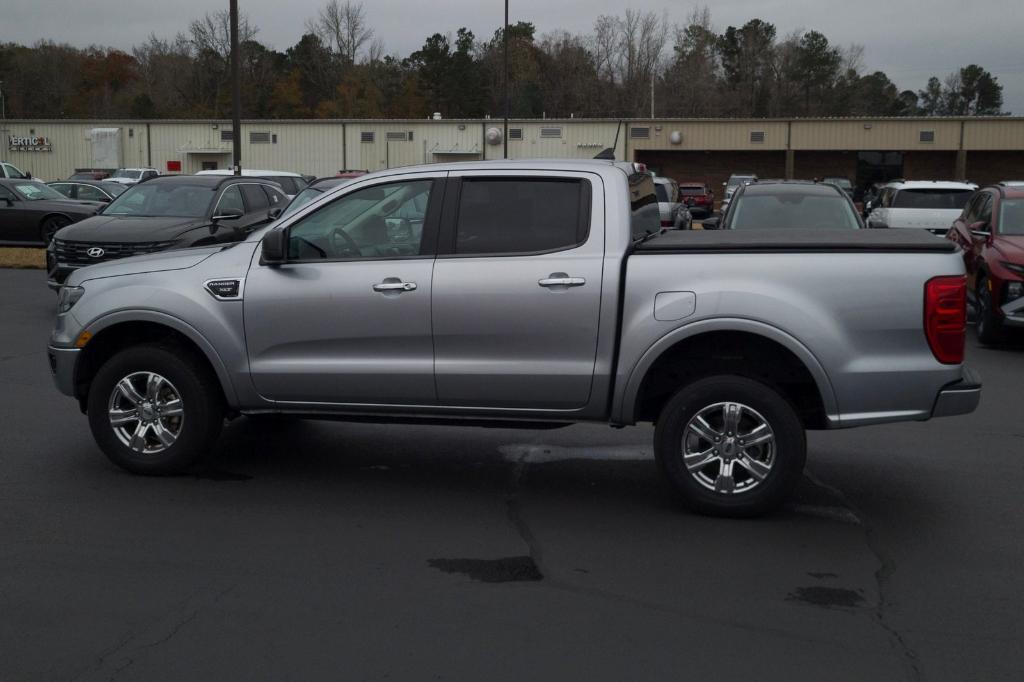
column 792, row 210
column 36, row 191
column 932, row 198
column 301, row 199
column 691, row 191
column 289, row 184
column 163, row 200
column 131, row 175
column 840, row 182
column 661, row 192
column 1012, row 219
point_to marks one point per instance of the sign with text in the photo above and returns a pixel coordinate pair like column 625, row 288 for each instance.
column 32, row 143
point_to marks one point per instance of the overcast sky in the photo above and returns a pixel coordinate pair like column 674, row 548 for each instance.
column 908, row 39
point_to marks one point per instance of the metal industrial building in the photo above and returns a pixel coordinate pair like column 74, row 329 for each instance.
column 865, row 150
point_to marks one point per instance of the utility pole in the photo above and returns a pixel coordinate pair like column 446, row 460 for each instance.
column 236, row 96
column 508, row 104
column 652, row 93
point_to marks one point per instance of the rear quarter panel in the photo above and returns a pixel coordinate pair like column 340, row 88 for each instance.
column 855, row 319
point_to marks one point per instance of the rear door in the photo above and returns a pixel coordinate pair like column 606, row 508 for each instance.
column 18, row 222
column 517, row 290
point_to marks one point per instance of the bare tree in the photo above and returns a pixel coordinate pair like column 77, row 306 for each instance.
column 343, row 27
column 213, row 33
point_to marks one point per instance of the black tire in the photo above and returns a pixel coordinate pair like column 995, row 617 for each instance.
column 49, row 227
column 785, row 455
column 986, row 321
column 201, row 402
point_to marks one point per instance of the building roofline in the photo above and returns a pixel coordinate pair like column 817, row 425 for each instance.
column 498, row 121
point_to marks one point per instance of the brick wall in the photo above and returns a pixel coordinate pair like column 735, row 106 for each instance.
column 929, row 165
column 985, row 168
column 810, row 165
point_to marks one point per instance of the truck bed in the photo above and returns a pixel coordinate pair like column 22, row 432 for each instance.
column 763, row 241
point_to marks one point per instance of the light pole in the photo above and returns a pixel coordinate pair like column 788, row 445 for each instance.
column 236, row 97
column 508, row 105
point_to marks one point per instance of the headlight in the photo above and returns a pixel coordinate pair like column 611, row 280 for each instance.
column 67, row 298
column 1013, row 267
column 1014, row 290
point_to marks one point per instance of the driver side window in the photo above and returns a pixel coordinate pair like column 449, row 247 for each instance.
column 382, row 221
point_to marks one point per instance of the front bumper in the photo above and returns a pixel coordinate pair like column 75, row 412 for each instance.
column 62, row 366
column 960, row 397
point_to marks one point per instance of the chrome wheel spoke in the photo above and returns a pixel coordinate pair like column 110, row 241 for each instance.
column 731, row 414
column 724, row 482
column 122, row 417
column 762, row 434
column 128, row 391
column 138, row 441
column 756, row 467
column 153, row 384
column 700, row 427
column 172, row 408
column 165, row 437
column 695, row 461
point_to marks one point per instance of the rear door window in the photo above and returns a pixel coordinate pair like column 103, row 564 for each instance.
column 90, row 193
column 645, row 216
column 255, row 199
column 522, row 215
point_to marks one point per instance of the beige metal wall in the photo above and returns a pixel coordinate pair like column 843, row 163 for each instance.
column 324, row 147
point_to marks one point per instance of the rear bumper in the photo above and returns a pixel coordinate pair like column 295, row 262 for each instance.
column 62, row 366
column 960, row 397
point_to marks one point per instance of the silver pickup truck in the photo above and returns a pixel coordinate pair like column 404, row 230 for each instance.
column 532, row 294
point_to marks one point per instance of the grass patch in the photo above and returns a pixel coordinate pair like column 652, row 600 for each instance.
column 22, row 258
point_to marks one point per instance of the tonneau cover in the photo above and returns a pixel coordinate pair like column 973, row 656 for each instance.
column 681, row 241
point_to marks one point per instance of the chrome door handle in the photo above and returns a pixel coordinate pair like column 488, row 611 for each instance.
column 394, row 286
column 562, row 281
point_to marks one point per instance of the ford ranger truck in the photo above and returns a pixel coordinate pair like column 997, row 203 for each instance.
column 523, row 293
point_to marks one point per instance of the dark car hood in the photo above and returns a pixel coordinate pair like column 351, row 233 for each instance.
column 71, row 207
column 1011, row 246
column 118, row 228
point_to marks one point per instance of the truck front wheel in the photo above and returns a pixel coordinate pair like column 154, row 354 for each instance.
column 730, row 446
column 155, row 409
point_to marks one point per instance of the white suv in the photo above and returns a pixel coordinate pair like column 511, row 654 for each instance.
column 925, row 204
column 132, row 176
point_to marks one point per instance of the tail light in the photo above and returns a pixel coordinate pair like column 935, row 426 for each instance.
column 945, row 317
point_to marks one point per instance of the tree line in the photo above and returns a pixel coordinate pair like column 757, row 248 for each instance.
column 627, row 66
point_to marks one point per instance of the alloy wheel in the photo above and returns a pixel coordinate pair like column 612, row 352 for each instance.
column 729, row 448
column 146, row 412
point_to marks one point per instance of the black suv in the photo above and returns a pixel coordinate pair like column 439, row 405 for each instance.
column 167, row 212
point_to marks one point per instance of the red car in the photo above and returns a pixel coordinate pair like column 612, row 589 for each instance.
column 991, row 233
column 698, row 197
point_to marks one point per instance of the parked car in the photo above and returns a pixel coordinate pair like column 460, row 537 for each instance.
column 89, row 190
column 534, row 293
column 169, row 212
column 842, row 183
column 698, row 197
column 991, row 234
column 674, row 215
column 312, row 191
column 291, row 183
column 133, row 176
column 12, row 172
column 923, row 204
column 788, row 204
column 90, row 175
column 735, row 181
column 31, row 212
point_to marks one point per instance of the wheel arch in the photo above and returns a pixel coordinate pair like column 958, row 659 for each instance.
column 120, row 330
column 758, row 350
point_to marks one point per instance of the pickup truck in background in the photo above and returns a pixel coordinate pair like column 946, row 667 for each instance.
column 523, row 293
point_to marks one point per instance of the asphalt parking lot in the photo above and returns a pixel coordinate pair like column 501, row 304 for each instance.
column 364, row 552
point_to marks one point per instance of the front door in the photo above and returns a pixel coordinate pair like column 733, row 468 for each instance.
column 347, row 319
column 517, row 290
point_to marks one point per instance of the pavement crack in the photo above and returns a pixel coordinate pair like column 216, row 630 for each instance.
column 883, row 575
column 514, row 511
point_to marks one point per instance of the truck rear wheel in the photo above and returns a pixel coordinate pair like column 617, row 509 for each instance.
column 155, row 410
column 730, row 446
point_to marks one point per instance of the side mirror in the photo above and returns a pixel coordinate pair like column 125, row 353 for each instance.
column 711, row 222
column 274, row 213
column 228, row 214
column 275, row 247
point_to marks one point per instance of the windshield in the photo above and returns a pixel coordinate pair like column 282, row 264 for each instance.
column 1011, row 220
column 661, row 192
column 792, row 210
column 129, row 174
column 301, row 199
column 163, row 200
column 691, row 191
column 36, row 191
column 932, row 198
column 840, row 182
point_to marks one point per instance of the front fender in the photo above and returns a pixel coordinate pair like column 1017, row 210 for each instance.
column 624, row 409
